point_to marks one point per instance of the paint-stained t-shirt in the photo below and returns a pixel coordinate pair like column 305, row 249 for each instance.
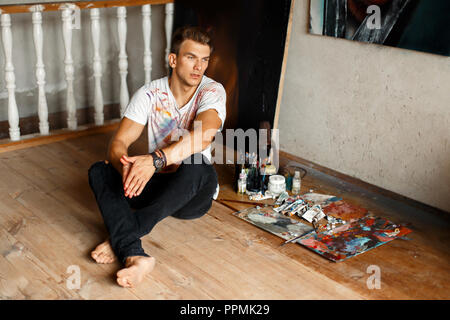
column 155, row 104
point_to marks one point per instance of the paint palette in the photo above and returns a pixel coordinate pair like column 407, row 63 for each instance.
column 353, row 238
column 276, row 223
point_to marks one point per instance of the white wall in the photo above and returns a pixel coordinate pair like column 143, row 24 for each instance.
column 24, row 59
column 377, row 113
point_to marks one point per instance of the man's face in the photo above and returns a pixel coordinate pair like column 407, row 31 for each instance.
column 191, row 62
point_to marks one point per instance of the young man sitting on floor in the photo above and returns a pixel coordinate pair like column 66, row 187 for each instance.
column 180, row 110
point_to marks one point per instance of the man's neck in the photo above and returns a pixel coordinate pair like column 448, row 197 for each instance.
column 181, row 92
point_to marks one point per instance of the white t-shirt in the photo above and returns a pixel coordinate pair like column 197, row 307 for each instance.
column 155, row 104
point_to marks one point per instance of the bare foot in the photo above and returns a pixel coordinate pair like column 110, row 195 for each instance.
column 136, row 267
column 104, row 253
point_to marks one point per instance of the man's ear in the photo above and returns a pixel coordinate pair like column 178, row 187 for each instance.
column 172, row 60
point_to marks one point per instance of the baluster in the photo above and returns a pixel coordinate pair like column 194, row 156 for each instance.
column 147, row 30
column 40, row 69
column 13, row 114
column 69, row 68
column 97, row 66
column 169, row 25
column 123, row 63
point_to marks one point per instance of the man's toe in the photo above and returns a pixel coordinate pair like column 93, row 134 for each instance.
column 123, row 281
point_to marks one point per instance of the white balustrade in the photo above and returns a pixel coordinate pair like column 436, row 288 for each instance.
column 123, row 62
column 13, row 113
column 147, row 31
column 97, row 66
column 40, row 70
column 67, row 26
column 168, row 25
column 69, row 68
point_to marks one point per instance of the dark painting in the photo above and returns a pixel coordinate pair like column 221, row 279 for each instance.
column 422, row 25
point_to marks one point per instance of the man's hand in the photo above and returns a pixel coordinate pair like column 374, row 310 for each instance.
column 137, row 175
column 126, row 166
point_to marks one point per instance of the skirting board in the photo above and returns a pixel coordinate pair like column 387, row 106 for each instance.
column 365, row 185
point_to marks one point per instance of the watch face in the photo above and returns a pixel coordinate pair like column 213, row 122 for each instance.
column 159, row 163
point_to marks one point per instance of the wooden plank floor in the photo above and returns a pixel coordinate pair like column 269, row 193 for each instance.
column 49, row 221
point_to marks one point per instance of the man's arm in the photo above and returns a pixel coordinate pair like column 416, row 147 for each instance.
column 127, row 133
column 206, row 125
column 194, row 141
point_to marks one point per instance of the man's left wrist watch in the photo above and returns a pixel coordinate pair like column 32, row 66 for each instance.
column 159, row 161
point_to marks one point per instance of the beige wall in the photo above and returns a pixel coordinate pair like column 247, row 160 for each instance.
column 377, row 113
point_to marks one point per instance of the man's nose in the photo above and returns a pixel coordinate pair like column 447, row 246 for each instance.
column 198, row 65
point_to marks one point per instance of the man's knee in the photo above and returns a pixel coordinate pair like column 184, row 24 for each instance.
column 194, row 213
column 96, row 169
column 208, row 176
column 203, row 170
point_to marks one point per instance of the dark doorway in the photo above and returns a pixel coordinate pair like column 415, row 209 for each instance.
column 249, row 41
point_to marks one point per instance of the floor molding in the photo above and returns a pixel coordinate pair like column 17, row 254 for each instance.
column 364, row 185
column 37, row 139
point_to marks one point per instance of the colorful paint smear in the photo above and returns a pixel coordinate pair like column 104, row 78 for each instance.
column 319, row 199
column 354, row 238
column 345, row 211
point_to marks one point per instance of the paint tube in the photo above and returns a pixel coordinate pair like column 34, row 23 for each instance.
column 292, row 206
column 298, row 203
column 300, row 210
column 315, row 213
column 280, row 208
column 281, row 198
column 259, row 196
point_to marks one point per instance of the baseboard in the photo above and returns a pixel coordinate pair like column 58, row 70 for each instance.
column 365, row 185
column 37, row 139
column 58, row 120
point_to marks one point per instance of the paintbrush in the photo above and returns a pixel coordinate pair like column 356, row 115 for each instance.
column 291, row 240
column 246, row 202
column 297, row 237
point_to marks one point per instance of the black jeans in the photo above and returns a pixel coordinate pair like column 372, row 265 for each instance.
column 184, row 194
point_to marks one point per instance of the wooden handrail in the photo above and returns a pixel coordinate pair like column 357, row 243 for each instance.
column 23, row 8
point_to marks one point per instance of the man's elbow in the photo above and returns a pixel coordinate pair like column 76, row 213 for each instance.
column 116, row 145
column 208, row 137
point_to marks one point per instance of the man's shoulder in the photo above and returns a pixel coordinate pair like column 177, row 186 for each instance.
column 157, row 83
column 209, row 84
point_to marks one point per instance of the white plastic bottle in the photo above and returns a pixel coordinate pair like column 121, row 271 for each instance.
column 296, row 183
column 242, row 182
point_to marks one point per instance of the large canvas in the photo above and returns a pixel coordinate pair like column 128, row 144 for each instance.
column 360, row 232
column 353, row 238
column 422, row 25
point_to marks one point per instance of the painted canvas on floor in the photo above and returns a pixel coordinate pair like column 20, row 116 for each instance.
column 353, row 238
column 422, row 25
column 276, row 223
column 345, row 211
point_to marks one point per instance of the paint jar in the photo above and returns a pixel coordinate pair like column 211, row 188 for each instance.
column 277, row 184
column 288, row 178
column 296, row 183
